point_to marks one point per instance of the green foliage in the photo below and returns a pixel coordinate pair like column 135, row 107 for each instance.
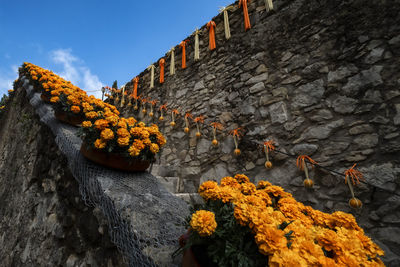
column 115, row 84
column 231, row 245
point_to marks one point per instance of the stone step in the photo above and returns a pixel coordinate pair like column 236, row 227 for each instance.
column 192, row 199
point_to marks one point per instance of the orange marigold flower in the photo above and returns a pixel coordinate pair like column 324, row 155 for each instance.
column 107, row 134
column 122, row 132
column 241, row 178
column 203, row 222
column 101, row 124
column 154, row 148
column 91, row 115
column 86, row 124
column 133, row 151
column 54, row 99
column 75, row 109
column 123, row 141
column 100, row 144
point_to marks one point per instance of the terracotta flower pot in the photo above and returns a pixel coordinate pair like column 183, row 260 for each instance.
column 112, row 160
column 74, row 120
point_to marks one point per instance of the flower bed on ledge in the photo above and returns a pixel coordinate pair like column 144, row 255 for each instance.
column 102, row 129
column 242, row 224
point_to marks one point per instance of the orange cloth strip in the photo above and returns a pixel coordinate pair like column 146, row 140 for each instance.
column 245, row 13
column 162, row 65
column 183, row 45
column 135, row 85
column 211, row 27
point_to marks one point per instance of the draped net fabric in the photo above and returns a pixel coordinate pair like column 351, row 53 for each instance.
column 144, row 219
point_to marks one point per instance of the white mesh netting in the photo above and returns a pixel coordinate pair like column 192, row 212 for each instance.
column 144, row 219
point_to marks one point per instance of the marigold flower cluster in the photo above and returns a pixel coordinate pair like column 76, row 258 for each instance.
column 103, row 128
column 290, row 233
column 203, row 222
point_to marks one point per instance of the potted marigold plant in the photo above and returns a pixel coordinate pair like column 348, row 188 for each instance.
column 120, row 143
column 242, row 224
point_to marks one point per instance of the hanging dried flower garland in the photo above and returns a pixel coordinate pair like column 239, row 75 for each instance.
column 162, row 108
column 187, row 124
column 302, row 165
column 355, row 176
column 144, row 101
column 216, row 126
column 153, row 103
column 174, row 112
column 267, row 147
column 198, row 120
column 236, row 134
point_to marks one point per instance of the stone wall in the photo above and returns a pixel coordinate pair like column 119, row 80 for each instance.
column 43, row 220
column 320, row 78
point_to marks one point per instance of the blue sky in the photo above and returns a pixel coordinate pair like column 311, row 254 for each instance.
column 94, row 42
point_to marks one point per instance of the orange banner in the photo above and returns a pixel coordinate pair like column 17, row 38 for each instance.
column 243, row 3
column 162, row 65
column 211, row 27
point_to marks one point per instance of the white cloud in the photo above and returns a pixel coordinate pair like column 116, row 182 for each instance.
column 7, row 78
column 74, row 70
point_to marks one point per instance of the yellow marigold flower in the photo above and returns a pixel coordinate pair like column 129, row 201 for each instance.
column 34, row 77
column 123, row 141
column 147, row 142
column 203, row 222
column 136, row 131
column 227, row 194
column 270, row 239
column 107, row 134
column 113, row 120
column 209, row 190
column 131, row 121
column 263, row 184
column 230, row 182
column 346, row 220
column 45, row 85
column 277, row 191
column 154, row 148
column 122, row 124
column 248, row 188
column 101, row 124
column 91, row 115
column 86, row 124
column 75, row 109
column 141, row 124
column 133, row 151
column 100, row 144
column 161, row 139
column 241, row 178
column 138, row 144
column 54, row 99
column 286, row 257
column 122, row 132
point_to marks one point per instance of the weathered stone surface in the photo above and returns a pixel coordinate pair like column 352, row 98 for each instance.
column 199, row 85
column 321, row 115
column 339, row 74
column 259, row 78
column 304, row 149
column 320, row 132
column 368, row 77
column 382, row 176
column 344, row 105
column 366, row 141
column 309, row 94
column 291, row 79
column 278, row 112
column 359, row 129
column 258, row 87
column 374, row 56
column 396, row 119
